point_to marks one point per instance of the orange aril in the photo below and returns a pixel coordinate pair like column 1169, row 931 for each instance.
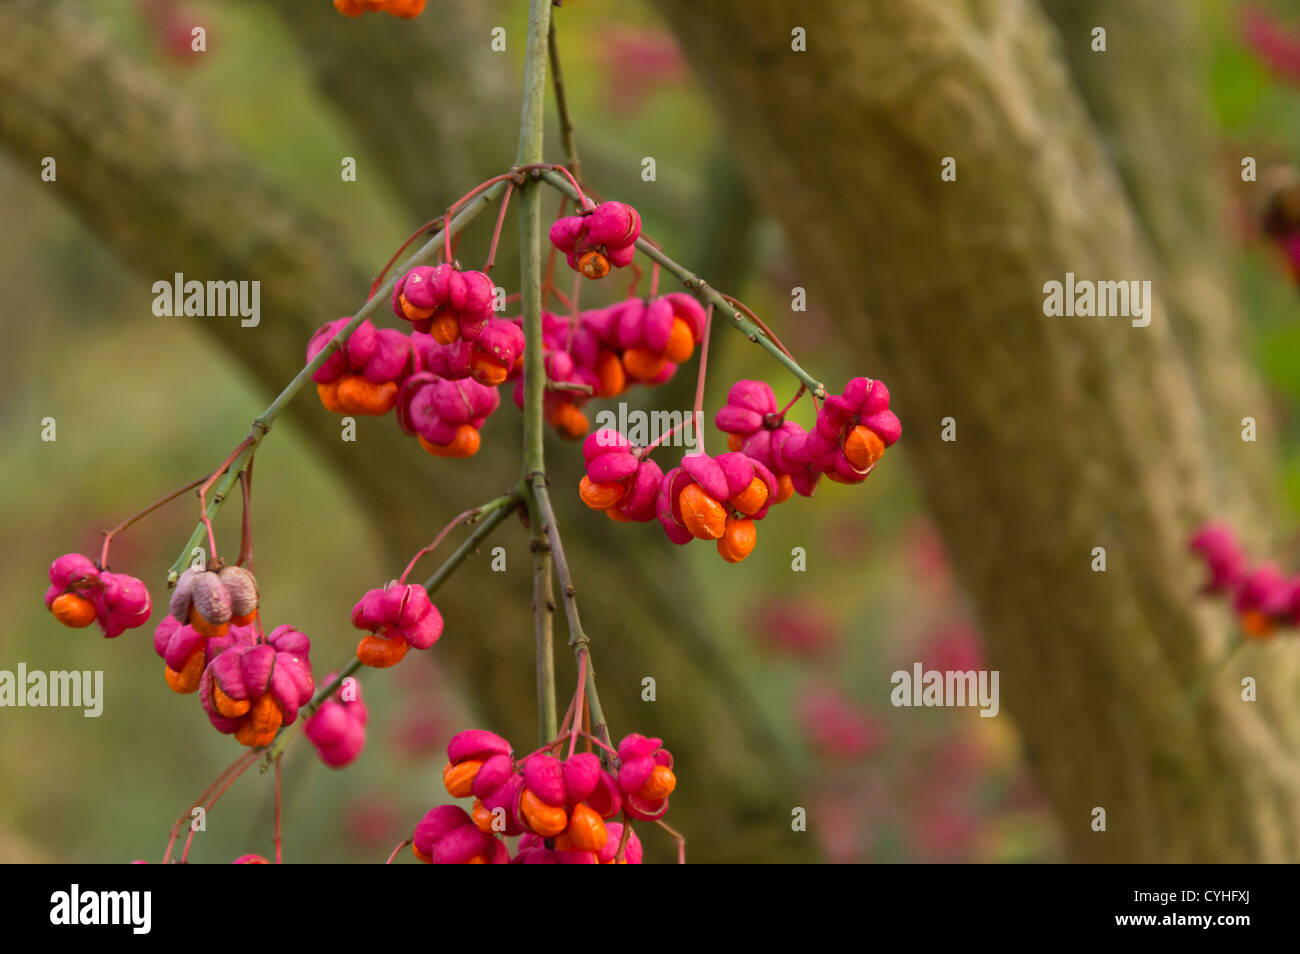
column 187, row 680
column 204, row 627
column 464, row 444
column 445, row 328
column 459, row 778
column 226, row 706
column 641, row 364
column 593, row 264
column 411, row 311
column 546, row 820
column 73, row 610
column 610, row 374
column 586, row 831
column 329, row 397
column 261, row 723
column 660, row 784
column 702, row 516
column 487, row 370
column 784, row 488
column 361, row 396
column 681, row 342
column 750, row 500
column 570, row 422
column 738, row 540
column 863, row 447
column 406, row 9
column 600, row 496
column 380, row 652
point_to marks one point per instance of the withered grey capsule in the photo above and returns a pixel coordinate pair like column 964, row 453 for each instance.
column 183, row 595
column 211, row 599
column 241, row 586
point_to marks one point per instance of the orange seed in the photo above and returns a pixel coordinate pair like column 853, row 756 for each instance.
column 73, row 610
column 737, row 542
column 784, row 488
column 464, row 444
column 641, row 364
column 411, row 311
column 660, row 784
column 228, row 707
column 459, row 778
column 702, row 516
column 586, row 829
column 546, row 820
column 187, row 680
column 205, row 628
column 487, row 370
column 570, row 422
column 445, row 328
column 750, row 500
column 681, row 342
column 593, row 264
column 610, row 374
column 863, row 447
column 380, row 652
column 600, row 496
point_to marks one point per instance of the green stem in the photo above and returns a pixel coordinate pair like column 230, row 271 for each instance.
column 579, row 641
column 262, row 423
column 705, row 293
column 500, row 508
column 530, row 256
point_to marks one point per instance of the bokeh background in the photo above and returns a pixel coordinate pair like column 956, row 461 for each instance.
column 773, row 684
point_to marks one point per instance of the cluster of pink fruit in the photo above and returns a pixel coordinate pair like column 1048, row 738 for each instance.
column 211, row 641
column 1262, row 596
column 81, row 593
column 720, row 498
column 560, row 807
column 443, row 381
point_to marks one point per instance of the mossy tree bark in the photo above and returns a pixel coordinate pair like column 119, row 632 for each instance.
column 1072, row 433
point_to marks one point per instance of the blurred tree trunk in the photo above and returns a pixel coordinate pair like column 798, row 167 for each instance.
column 200, row 207
column 1148, row 95
column 1072, row 433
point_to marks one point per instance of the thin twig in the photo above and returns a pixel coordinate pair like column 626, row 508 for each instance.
column 562, row 104
column 140, row 515
column 529, row 157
